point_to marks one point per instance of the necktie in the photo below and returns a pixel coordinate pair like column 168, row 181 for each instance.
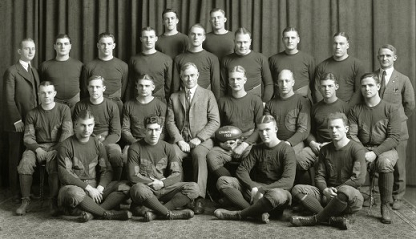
column 188, row 96
column 383, row 83
column 29, row 68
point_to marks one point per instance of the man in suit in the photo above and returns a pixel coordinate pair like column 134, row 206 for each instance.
column 21, row 82
column 397, row 89
column 191, row 122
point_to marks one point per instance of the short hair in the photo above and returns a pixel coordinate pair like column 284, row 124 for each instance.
column 145, row 77
column 329, row 76
column 371, row 75
column 105, row 35
column 25, row 39
column 84, row 115
column 242, row 31
column 147, row 29
column 96, row 77
column 188, row 65
column 290, row 29
column 267, row 119
column 46, row 83
column 153, row 119
column 388, row 46
column 62, row 35
column 216, row 10
column 343, row 34
column 337, row 115
column 286, row 70
column 238, row 68
column 197, row 26
column 169, row 10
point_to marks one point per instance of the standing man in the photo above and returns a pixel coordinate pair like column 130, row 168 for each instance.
column 191, row 122
column 64, row 72
column 20, row 85
column 171, row 42
column 207, row 63
column 264, row 178
column 397, row 89
column 220, row 41
column 259, row 78
column 340, row 171
column 107, row 121
column 300, row 63
column 155, row 171
column 376, row 124
column 153, row 63
column 347, row 69
column 114, row 70
column 46, row 126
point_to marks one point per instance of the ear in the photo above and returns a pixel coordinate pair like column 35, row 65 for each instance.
column 347, row 128
column 225, row 19
column 156, row 38
column 19, row 51
column 394, row 57
column 98, row 45
column 114, row 45
column 336, row 86
column 104, row 88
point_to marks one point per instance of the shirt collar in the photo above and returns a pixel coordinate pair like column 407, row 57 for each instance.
column 24, row 64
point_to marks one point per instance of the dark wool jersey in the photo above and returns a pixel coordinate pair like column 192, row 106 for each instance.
column 301, row 64
column 208, row 67
column 292, row 117
column 219, row 44
column 78, row 161
column 319, row 115
column 348, row 72
column 344, row 166
column 275, row 167
column 134, row 114
column 156, row 65
column 242, row 113
column 47, row 126
column 147, row 162
column 377, row 126
column 115, row 72
column 106, row 117
column 65, row 75
column 172, row 45
column 257, row 71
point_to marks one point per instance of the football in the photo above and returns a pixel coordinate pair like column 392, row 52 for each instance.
column 227, row 133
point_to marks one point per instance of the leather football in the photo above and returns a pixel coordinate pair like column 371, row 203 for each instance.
column 228, row 133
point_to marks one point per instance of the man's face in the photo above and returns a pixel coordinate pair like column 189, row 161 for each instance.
column 46, row 94
column 196, row 36
column 267, row 132
column 328, row 88
column 291, row 40
column 337, row 129
column 145, row 87
column 218, row 20
column 236, row 80
column 386, row 57
column 242, row 44
column 106, row 46
column 62, row 46
column 153, row 132
column 190, row 77
column 96, row 89
column 369, row 88
column 285, row 83
column 84, row 128
column 170, row 20
column 340, row 47
column 27, row 51
column 148, row 40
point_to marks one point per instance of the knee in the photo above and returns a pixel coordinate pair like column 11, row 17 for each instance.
column 214, row 161
column 114, row 155
column 224, row 182
column 52, row 167
column 27, row 164
column 385, row 164
column 199, row 154
column 278, row 196
column 140, row 193
column 71, row 195
column 191, row 190
column 298, row 191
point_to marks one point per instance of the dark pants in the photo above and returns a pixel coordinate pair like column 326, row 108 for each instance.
column 16, row 148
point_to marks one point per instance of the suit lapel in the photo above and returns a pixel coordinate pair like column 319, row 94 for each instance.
column 392, row 77
column 25, row 74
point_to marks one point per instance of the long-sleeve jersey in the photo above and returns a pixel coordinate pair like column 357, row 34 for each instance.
column 219, row 44
column 172, row 45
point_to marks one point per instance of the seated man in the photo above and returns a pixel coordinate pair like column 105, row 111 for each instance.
column 191, row 122
column 107, row 121
column 264, row 178
column 86, row 175
column 155, row 171
column 46, row 126
column 291, row 112
column 340, row 171
column 241, row 110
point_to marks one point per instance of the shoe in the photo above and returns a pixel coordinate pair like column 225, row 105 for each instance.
column 227, row 215
column 199, row 206
column 85, row 217
column 300, row 221
column 397, row 204
column 182, row 214
column 149, row 216
column 23, row 207
column 117, row 215
column 339, row 222
column 385, row 214
column 53, row 208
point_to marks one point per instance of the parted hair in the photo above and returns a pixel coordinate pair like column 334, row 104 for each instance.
column 153, row 119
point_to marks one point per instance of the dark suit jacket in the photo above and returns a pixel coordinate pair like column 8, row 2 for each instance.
column 204, row 117
column 19, row 94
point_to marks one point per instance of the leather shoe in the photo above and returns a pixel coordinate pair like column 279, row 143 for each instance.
column 385, row 214
column 300, row 221
column 149, row 216
column 397, row 204
column 199, row 206
column 339, row 222
column 227, row 215
column 181, row 214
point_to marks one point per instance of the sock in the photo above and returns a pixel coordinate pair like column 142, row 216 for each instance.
column 334, row 208
column 113, row 200
column 90, row 206
column 385, row 184
column 179, row 200
column 235, row 197
column 25, row 184
column 222, row 171
column 153, row 203
column 261, row 206
column 311, row 203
